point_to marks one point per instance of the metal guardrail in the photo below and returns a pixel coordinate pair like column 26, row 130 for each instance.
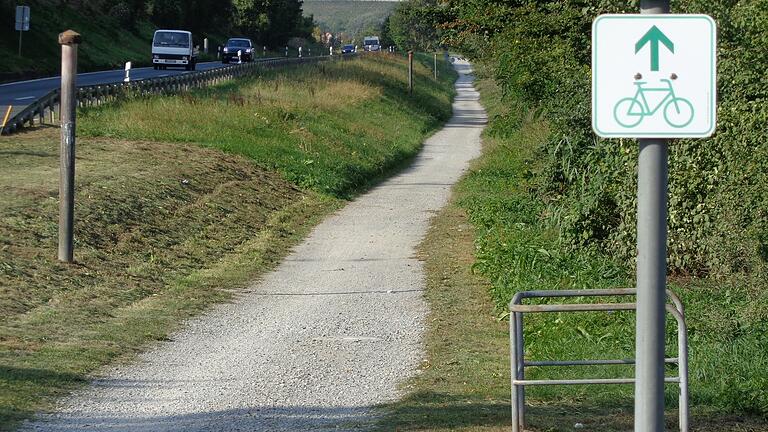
column 98, row 94
column 519, row 363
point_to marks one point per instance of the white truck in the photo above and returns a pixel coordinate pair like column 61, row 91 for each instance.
column 371, row 43
column 173, row 48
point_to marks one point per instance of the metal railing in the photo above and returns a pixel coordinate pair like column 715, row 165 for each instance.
column 98, row 94
column 519, row 363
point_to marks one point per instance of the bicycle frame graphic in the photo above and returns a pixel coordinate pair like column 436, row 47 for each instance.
column 629, row 112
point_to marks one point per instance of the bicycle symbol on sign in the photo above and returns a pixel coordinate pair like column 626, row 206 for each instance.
column 678, row 112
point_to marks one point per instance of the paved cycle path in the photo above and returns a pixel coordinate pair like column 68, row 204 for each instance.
column 332, row 332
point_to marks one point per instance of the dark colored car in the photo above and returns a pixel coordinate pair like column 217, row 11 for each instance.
column 235, row 45
column 347, row 49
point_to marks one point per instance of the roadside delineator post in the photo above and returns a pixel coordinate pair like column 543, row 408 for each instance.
column 299, row 52
column 286, row 51
column 410, row 72
column 127, row 78
column 69, row 41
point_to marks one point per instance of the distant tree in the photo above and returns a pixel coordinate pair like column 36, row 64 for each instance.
column 415, row 24
column 165, row 13
column 250, row 18
column 385, row 35
column 285, row 20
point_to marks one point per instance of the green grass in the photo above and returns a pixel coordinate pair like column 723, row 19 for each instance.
column 341, row 133
column 105, row 43
column 465, row 384
column 168, row 224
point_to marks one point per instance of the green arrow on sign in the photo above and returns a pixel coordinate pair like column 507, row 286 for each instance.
column 654, row 36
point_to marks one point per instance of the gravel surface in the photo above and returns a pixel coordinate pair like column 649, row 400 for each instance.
column 333, row 331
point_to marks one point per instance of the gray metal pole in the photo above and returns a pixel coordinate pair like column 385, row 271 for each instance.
column 652, row 174
column 651, row 284
column 69, row 40
column 515, row 362
column 410, row 72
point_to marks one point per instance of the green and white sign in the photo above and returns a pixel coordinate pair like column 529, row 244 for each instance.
column 654, row 76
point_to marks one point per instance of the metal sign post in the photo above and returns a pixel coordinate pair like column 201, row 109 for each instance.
column 22, row 22
column 653, row 78
column 652, row 174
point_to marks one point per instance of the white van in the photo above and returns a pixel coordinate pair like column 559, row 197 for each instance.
column 173, row 48
column 371, row 43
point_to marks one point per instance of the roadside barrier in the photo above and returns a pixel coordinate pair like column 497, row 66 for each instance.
column 519, row 362
column 95, row 95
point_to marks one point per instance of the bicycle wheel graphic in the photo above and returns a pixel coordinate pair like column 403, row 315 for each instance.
column 678, row 112
column 628, row 112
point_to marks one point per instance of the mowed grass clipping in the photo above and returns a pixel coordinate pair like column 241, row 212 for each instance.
column 488, row 243
column 167, row 223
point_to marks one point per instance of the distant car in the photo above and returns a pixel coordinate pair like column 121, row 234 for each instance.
column 237, row 45
column 371, row 43
column 346, row 49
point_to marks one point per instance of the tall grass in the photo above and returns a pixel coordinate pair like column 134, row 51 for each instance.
column 331, row 127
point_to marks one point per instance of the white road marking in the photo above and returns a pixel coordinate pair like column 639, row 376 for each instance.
column 24, row 98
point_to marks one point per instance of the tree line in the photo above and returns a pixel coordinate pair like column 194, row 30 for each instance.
column 268, row 22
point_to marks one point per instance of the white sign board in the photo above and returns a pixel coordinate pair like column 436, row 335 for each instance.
column 654, row 76
column 22, row 18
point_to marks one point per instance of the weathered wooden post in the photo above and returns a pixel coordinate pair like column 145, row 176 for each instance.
column 410, row 72
column 69, row 40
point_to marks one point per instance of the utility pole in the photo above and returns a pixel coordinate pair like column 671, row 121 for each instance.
column 69, row 41
column 652, row 175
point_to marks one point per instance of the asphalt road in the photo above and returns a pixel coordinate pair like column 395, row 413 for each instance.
column 318, row 343
column 22, row 93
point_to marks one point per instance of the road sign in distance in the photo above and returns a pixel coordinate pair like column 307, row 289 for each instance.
column 22, row 18
column 654, row 76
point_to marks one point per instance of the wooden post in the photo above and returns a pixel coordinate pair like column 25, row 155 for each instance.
column 69, row 40
column 410, row 72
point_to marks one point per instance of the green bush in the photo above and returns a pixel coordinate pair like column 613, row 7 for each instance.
column 574, row 225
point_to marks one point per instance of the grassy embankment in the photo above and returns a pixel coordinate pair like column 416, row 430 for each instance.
column 106, row 45
column 182, row 200
column 494, row 227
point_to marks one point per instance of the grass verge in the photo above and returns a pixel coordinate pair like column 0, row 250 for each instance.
column 167, row 223
column 490, row 242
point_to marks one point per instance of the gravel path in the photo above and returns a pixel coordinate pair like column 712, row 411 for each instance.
column 333, row 331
